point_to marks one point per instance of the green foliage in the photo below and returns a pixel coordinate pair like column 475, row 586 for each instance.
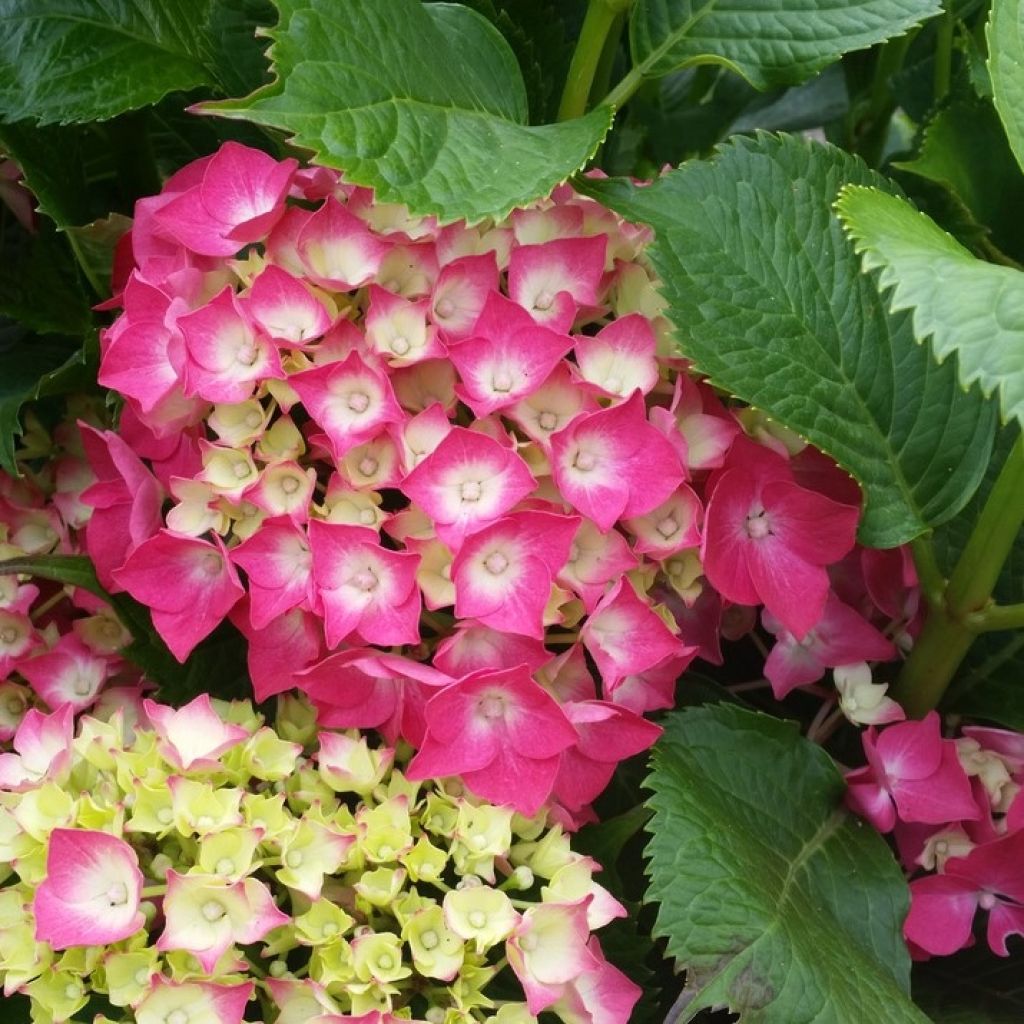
column 781, row 907
column 964, row 150
column 64, row 61
column 769, row 42
column 987, row 685
column 1006, row 57
column 424, row 103
column 768, row 300
column 970, row 987
column 964, row 305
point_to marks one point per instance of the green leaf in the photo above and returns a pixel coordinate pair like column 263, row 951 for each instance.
column 768, row 300
column 966, row 306
column 64, row 61
column 425, row 104
column 30, row 364
column 1006, row 59
column 768, row 42
column 781, row 906
column 964, row 150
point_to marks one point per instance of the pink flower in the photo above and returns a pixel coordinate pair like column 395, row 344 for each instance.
column 337, row 249
column 69, row 673
column 839, row 637
column 601, row 995
column 625, row 636
column 90, row 896
column 42, row 745
column 501, row 732
column 620, row 358
column 199, row 1000
column 285, row 309
column 364, row 588
column 284, row 646
column 507, row 357
column 460, row 292
column 553, row 279
column 467, row 482
column 239, row 199
column 279, row 567
column 768, row 540
column 189, row 584
column 942, row 907
column 192, row 736
column 613, row 463
column 912, row 772
column 350, row 400
column 503, row 574
column 206, row 914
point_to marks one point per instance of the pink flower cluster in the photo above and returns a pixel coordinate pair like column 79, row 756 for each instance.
column 58, row 645
column 956, row 809
column 439, row 475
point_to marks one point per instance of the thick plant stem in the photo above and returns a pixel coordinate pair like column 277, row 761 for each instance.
column 597, row 25
column 943, row 53
column 951, row 627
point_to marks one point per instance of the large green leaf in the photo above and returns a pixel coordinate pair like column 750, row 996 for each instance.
column 769, row 42
column 781, row 906
column 1005, row 63
column 768, row 300
column 423, row 103
column 966, row 306
column 65, row 61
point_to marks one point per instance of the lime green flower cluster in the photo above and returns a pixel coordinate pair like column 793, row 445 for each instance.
column 196, row 859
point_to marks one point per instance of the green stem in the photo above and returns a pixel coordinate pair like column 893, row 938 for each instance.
column 997, row 616
column 597, row 25
column 950, row 629
column 153, row 890
column 943, row 53
column 629, row 85
column 933, row 583
column 881, row 105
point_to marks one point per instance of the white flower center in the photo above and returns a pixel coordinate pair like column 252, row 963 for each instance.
column 293, row 858
column 290, row 484
column 246, row 354
column 225, row 866
column 445, row 307
column 667, row 527
column 365, row 579
column 178, row 1016
column 400, row 345
column 368, row 465
column 82, row 687
column 213, row 911
column 544, row 300
column 429, row 939
column 477, row 918
column 501, row 381
column 547, row 420
column 367, row 517
column 496, row 563
column 253, row 419
column 492, row 707
column 758, row 525
column 584, row 461
column 8, row 635
column 117, row 894
column 471, row 490
column 359, row 401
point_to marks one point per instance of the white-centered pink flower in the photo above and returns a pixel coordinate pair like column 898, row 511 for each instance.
column 226, row 355
column 193, row 1002
column 206, row 915
column 467, row 482
column 474, row 646
column 621, row 358
column 502, row 732
column 503, row 574
column 552, row 406
column 350, row 400
column 672, row 526
column 284, row 309
column 364, row 588
column 91, row 893
column 42, row 749
column 460, row 293
column 506, row 358
column 337, row 249
column 595, row 558
column 193, row 736
column 613, row 463
column 552, row 280
column 397, row 329
column 69, row 673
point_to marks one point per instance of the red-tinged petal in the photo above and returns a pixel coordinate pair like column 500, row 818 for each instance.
column 941, row 797
column 941, row 914
column 460, row 293
column 285, row 309
column 278, row 563
column 194, row 732
column 864, row 796
column 912, row 750
column 537, row 274
column 1004, row 920
column 280, row 650
column 793, row 590
column 621, row 358
column 995, row 866
column 474, row 647
column 524, row 783
column 816, row 529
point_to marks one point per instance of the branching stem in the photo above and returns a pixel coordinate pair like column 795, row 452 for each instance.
column 601, row 18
